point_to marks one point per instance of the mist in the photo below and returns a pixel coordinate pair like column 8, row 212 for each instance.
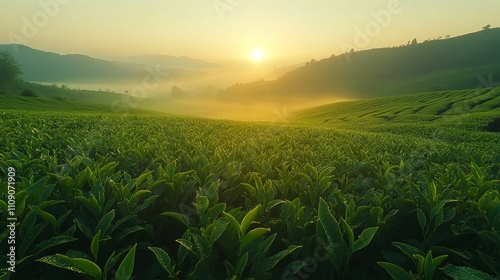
column 217, row 107
column 203, row 94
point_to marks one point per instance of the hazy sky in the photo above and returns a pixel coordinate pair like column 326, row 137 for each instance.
column 288, row 31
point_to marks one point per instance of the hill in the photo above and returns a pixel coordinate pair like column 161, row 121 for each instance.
column 42, row 66
column 454, row 111
column 37, row 97
column 169, row 61
column 457, row 63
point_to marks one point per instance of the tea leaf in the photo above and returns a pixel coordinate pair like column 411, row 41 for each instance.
column 466, row 273
column 249, row 217
column 251, row 236
column 364, row 239
column 164, row 260
column 127, row 265
column 82, row 266
column 396, row 272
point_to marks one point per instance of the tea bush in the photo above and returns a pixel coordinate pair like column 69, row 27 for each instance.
column 102, row 196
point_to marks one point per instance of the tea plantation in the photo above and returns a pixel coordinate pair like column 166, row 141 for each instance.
column 395, row 187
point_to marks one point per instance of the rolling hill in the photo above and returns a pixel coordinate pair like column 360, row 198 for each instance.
column 182, row 62
column 53, row 98
column 42, row 66
column 462, row 62
column 427, row 115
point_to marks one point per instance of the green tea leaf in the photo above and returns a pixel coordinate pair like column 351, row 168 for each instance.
column 428, row 266
column 94, row 245
column 27, row 224
column 491, row 236
column 408, row 249
column 105, row 221
column 212, row 213
column 82, row 266
column 251, row 236
column 432, row 192
column 188, row 245
column 110, row 263
column 270, row 262
column 265, row 245
column 349, row 232
column 329, row 223
column 293, row 268
column 53, row 242
column 247, row 220
column 179, row 217
column 4, row 207
column 124, row 233
column 21, row 202
column 466, row 273
column 490, row 262
column 201, row 204
column 422, row 220
column 241, row 266
column 220, row 227
column 138, row 194
column 107, row 169
column 164, row 260
column 127, row 265
column 144, row 176
column 91, row 205
column 364, row 239
column 396, row 272
column 30, row 236
column 234, row 223
column 83, row 225
column 49, row 218
column 438, row 261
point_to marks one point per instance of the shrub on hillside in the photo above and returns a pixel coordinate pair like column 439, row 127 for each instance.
column 29, row 93
column 60, row 98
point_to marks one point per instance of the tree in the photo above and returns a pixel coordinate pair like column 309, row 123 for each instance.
column 9, row 71
column 414, row 41
column 486, row 27
column 177, row 92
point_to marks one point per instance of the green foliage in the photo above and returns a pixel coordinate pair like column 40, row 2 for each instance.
column 79, row 265
column 426, row 267
column 466, row 273
column 9, row 71
column 385, row 71
column 338, row 250
column 102, row 196
column 28, row 93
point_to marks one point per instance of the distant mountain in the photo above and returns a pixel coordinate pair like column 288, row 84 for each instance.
column 42, row 66
column 169, row 61
column 463, row 62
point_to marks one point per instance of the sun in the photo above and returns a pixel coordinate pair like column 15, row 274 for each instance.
column 257, row 55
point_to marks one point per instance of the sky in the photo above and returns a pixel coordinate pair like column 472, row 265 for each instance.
column 287, row 31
